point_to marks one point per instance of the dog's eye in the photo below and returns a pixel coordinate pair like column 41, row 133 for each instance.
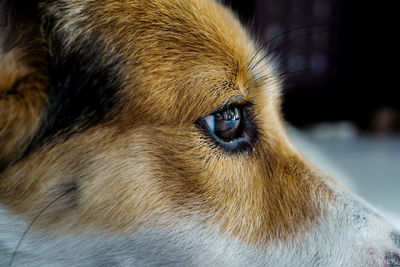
column 231, row 128
column 225, row 124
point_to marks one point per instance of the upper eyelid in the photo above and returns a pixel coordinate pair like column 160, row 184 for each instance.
column 239, row 99
column 234, row 101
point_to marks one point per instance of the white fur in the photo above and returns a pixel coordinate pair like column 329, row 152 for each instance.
column 350, row 235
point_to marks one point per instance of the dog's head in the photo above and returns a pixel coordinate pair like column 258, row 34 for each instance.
column 149, row 132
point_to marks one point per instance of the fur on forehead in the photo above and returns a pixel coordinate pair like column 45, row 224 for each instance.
column 167, row 53
column 172, row 53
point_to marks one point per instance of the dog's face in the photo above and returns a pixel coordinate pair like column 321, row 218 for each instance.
column 149, row 132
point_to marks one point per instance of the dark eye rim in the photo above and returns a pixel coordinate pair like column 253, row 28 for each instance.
column 245, row 140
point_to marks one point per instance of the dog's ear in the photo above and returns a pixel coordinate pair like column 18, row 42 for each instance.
column 23, row 76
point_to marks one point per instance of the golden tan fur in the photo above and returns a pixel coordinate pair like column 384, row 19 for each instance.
column 182, row 60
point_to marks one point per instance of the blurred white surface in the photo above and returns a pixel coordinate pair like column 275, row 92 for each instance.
column 369, row 166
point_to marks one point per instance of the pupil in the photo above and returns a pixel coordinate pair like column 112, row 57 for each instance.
column 227, row 124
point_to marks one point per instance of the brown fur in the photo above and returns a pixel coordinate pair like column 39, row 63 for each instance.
column 23, row 83
column 182, row 60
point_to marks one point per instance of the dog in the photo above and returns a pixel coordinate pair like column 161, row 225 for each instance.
column 149, row 133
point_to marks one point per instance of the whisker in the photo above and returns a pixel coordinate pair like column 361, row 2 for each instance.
column 251, row 64
column 278, row 47
column 34, row 220
column 260, row 80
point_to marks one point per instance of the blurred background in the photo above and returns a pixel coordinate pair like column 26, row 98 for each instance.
column 340, row 91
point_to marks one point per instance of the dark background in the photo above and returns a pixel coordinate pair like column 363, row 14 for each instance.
column 338, row 57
